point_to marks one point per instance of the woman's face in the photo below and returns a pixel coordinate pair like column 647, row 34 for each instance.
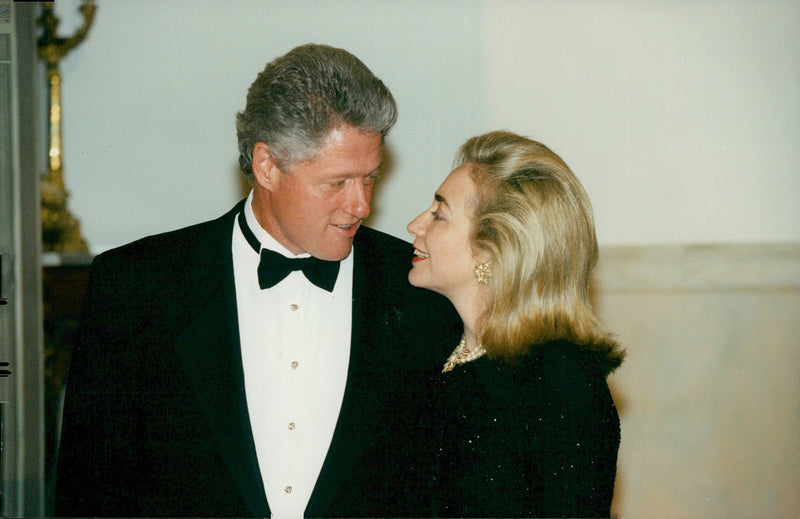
column 443, row 258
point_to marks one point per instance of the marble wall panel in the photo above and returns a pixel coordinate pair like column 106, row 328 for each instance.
column 709, row 395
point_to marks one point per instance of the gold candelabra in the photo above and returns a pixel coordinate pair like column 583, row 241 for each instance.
column 60, row 230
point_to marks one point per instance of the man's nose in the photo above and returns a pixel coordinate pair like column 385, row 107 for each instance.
column 359, row 197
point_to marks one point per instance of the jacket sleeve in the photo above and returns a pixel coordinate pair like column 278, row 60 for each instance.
column 577, row 437
column 97, row 462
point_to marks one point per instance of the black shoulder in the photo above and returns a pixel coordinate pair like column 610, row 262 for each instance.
column 170, row 262
column 425, row 318
column 566, row 376
column 562, row 364
column 180, row 243
column 381, row 243
column 608, row 353
column 383, row 258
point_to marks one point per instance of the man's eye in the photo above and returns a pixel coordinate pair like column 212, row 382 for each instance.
column 436, row 215
column 368, row 181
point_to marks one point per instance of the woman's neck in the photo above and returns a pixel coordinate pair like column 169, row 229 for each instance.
column 469, row 308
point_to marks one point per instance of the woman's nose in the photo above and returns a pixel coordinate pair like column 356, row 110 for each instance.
column 417, row 226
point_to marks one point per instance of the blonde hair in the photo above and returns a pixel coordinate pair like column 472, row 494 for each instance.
column 533, row 219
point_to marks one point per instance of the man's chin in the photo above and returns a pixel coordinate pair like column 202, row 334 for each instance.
column 334, row 253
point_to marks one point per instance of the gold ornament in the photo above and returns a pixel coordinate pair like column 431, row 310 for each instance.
column 483, row 272
column 461, row 355
column 60, row 230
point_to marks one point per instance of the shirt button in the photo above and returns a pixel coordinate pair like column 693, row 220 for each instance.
column 291, row 426
column 295, row 364
column 294, row 307
column 288, row 490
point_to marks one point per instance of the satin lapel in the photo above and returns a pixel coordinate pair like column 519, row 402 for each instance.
column 210, row 352
column 360, row 405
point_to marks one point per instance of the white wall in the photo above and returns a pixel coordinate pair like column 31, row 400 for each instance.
column 150, row 98
column 682, row 119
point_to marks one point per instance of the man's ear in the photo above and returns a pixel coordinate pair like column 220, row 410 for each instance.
column 265, row 167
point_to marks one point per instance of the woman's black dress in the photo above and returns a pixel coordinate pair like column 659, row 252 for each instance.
column 538, row 438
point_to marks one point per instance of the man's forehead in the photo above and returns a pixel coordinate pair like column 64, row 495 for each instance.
column 347, row 153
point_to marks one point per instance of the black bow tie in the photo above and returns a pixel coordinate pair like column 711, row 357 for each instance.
column 274, row 267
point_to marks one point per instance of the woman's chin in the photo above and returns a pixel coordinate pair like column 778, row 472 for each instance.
column 415, row 279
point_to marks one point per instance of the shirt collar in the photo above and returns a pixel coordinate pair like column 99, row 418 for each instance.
column 265, row 238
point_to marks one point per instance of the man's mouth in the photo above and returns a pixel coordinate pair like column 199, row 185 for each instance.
column 348, row 227
column 419, row 255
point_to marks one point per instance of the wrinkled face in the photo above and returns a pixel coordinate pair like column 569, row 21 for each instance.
column 443, row 257
column 318, row 206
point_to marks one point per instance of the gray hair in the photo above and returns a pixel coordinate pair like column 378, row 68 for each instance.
column 298, row 98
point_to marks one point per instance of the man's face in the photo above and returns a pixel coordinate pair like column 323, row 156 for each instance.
column 318, row 206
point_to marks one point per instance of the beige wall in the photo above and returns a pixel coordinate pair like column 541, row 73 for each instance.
column 709, row 396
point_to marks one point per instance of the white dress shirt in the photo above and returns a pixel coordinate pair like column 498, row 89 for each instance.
column 295, row 340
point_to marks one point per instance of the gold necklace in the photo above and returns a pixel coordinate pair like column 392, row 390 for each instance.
column 461, row 355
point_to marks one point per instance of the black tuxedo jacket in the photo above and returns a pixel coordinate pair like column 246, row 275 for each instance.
column 155, row 417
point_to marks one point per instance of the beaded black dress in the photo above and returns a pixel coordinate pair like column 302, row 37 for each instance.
column 538, row 438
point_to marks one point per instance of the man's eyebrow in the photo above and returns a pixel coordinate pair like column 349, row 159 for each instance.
column 439, row 198
column 346, row 175
column 375, row 171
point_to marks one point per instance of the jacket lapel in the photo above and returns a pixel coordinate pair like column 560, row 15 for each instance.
column 361, row 404
column 210, row 353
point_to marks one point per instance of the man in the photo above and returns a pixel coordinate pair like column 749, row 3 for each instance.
column 208, row 382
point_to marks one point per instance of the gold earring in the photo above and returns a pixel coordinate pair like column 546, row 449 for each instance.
column 483, row 272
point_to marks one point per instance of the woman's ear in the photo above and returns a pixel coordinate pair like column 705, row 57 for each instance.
column 265, row 166
column 481, row 256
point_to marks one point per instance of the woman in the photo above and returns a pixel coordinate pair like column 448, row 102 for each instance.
column 527, row 426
